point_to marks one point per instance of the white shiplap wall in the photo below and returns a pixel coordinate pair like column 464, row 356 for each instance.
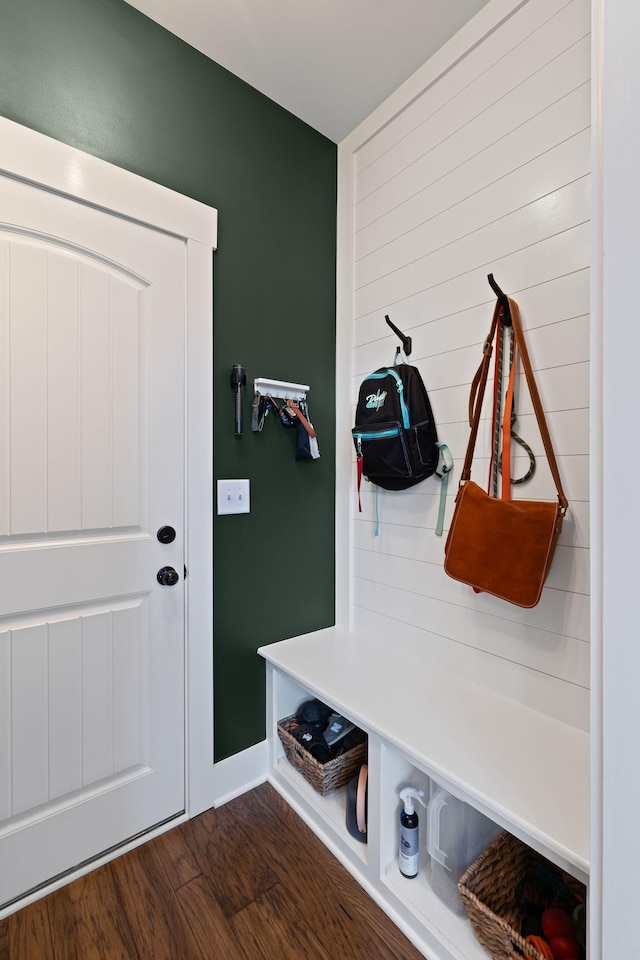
column 486, row 170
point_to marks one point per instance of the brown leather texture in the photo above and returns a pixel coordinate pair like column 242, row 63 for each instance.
column 502, row 547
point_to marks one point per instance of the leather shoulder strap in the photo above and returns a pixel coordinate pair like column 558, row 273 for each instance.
column 537, row 404
column 476, row 398
column 476, row 395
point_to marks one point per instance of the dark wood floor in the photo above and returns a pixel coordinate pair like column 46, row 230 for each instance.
column 244, row 882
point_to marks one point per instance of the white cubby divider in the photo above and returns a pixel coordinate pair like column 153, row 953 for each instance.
column 524, row 770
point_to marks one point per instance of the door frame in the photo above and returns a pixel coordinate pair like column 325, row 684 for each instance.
column 36, row 159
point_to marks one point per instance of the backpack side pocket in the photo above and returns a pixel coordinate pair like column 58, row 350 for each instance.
column 425, row 439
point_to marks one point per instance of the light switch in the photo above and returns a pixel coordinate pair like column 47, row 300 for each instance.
column 233, row 496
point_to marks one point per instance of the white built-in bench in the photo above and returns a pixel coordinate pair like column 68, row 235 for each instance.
column 524, row 769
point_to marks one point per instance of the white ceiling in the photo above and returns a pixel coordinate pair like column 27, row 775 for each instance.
column 330, row 62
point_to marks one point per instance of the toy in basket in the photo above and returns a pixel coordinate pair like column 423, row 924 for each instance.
column 515, row 900
column 326, row 748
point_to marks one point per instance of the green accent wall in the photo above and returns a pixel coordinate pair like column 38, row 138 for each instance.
column 102, row 77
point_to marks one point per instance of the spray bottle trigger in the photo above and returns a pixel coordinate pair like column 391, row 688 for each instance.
column 408, row 795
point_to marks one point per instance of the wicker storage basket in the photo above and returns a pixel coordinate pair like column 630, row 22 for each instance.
column 493, row 888
column 323, row 777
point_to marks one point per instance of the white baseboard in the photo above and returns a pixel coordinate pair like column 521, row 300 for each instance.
column 240, row 773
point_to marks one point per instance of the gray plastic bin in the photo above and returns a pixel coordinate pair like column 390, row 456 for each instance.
column 456, row 836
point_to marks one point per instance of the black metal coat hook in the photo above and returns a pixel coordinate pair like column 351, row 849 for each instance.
column 406, row 341
column 503, row 299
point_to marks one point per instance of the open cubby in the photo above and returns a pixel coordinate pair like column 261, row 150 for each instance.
column 330, row 809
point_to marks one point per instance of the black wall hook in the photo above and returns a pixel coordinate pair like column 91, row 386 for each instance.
column 406, row 341
column 503, row 299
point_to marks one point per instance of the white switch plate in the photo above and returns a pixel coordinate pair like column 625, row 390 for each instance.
column 233, row 496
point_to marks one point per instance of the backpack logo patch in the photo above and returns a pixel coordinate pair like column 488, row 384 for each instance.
column 375, row 401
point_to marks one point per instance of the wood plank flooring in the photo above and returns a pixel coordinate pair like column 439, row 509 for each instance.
column 249, row 881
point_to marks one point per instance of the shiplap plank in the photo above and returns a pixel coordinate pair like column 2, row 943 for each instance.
column 97, row 702
column 414, row 511
column 30, row 719
column 560, row 77
column 405, row 509
column 568, row 702
column 5, row 392
column 65, row 706
column 28, row 390
column 569, row 431
column 499, row 85
column 555, row 300
column 561, row 388
column 417, row 516
column 523, row 186
column 419, row 512
column 571, row 445
column 559, row 612
column 562, row 346
column 569, row 570
column 556, row 256
column 493, row 49
column 95, row 339
column 560, row 357
column 565, row 121
column 574, row 472
column 440, row 370
column 419, row 504
column 559, row 343
column 548, row 216
column 550, row 653
column 549, row 302
column 5, row 725
column 63, row 393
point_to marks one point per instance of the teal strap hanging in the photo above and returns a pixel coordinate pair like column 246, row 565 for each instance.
column 445, row 470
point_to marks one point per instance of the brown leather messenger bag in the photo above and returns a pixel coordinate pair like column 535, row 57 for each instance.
column 495, row 544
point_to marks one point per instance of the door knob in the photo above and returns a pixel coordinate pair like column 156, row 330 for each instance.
column 168, row 577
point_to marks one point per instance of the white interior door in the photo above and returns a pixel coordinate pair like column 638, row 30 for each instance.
column 92, row 331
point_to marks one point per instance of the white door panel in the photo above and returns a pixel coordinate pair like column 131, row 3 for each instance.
column 92, row 329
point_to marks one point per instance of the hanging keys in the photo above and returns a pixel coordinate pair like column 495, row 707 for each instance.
column 260, row 411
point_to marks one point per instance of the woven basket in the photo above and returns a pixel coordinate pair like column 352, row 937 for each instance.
column 323, row 777
column 492, row 890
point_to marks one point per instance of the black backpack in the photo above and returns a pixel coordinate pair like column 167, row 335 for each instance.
column 395, row 435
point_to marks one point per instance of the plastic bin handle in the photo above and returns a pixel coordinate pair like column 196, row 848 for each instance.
column 436, row 806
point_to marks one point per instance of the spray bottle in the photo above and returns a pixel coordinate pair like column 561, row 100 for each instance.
column 409, row 852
